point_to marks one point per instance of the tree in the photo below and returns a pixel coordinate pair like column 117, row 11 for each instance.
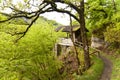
column 84, row 36
column 99, row 13
column 31, row 9
column 103, row 19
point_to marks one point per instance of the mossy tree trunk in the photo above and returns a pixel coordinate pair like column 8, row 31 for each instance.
column 84, row 36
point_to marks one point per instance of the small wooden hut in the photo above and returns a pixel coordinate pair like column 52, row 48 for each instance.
column 63, row 44
column 74, row 30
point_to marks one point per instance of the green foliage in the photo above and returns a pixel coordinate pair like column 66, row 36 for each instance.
column 102, row 19
column 20, row 21
column 115, row 58
column 32, row 57
column 98, row 13
column 2, row 17
column 38, row 51
column 94, row 72
column 116, row 69
column 112, row 34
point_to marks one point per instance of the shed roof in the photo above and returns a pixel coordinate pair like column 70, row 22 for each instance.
column 67, row 28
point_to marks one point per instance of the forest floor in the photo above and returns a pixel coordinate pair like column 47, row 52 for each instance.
column 106, row 74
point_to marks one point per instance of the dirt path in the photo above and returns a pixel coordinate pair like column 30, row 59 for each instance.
column 107, row 69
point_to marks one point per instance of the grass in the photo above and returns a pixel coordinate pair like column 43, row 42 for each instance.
column 116, row 69
column 94, row 72
column 115, row 58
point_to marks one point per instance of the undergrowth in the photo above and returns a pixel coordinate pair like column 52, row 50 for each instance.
column 115, row 57
column 116, row 69
column 94, row 72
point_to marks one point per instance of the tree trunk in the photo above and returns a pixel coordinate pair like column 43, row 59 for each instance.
column 75, row 49
column 84, row 36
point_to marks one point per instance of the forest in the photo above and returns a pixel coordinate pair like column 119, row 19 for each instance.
column 33, row 47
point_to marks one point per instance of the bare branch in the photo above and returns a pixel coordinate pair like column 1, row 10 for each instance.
column 54, row 7
column 16, row 17
column 24, row 33
column 67, row 12
column 37, row 16
column 63, row 1
column 23, row 14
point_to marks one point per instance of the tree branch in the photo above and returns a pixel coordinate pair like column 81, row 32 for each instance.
column 18, row 16
column 44, row 7
column 101, row 10
column 67, row 12
column 54, row 7
column 37, row 16
column 27, row 15
column 24, row 33
column 63, row 1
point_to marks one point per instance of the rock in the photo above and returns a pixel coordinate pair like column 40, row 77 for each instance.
column 97, row 42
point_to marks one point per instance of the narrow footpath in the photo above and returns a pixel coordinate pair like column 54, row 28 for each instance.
column 107, row 69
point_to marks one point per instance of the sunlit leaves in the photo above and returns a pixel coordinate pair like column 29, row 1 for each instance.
column 113, row 34
column 2, row 17
column 100, row 15
column 116, row 17
column 25, row 0
column 32, row 57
